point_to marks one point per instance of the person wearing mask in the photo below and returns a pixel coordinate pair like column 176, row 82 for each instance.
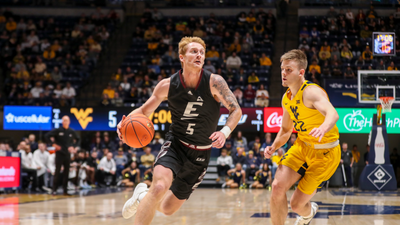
column 63, row 143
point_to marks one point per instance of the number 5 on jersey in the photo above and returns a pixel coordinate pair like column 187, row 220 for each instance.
column 190, row 129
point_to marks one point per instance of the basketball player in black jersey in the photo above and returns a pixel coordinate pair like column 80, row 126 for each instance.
column 194, row 97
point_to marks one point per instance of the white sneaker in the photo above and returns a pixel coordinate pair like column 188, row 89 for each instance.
column 131, row 205
column 305, row 221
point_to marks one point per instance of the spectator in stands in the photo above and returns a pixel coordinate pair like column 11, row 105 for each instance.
column 28, row 164
column 253, row 164
column 262, row 97
column 132, row 95
column 241, row 141
column 235, row 47
column 357, row 49
column 35, row 91
column 40, row 158
column 265, row 60
column 331, row 14
column 146, row 160
column 117, row 101
column 336, row 70
column 233, row 61
column 381, row 65
column 40, row 66
column 267, row 141
column 212, row 54
column 264, row 177
column 224, row 163
column 258, row 28
column 106, row 168
column 344, row 44
column 348, row 73
column 239, row 156
column 367, row 55
column 91, row 167
column 304, row 34
column 210, row 67
column 349, row 15
column 69, row 94
column 314, row 76
column 324, row 57
column 392, row 66
column 304, row 46
column 335, row 54
column 333, row 28
column 365, row 34
column 291, row 141
column 170, row 55
column 11, row 25
column 120, row 161
column 238, row 176
column 56, row 75
column 109, row 91
column 315, row 66
column 108, row 143
column 346, row 54
column 49, row 54
column 249, row 94
column 253, row 79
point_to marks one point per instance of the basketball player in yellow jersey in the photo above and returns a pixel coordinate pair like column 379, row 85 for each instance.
column 315, row 155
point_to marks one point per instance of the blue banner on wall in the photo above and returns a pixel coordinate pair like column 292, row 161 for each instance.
column 343, row 93
column 27, row 118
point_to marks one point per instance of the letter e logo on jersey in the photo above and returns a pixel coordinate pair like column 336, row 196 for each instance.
column 189, row 109
column 83, row 116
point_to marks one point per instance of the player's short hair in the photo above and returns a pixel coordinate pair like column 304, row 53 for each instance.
column 296, row 55
column 183, row 44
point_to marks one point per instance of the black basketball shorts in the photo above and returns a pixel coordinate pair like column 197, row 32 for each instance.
column 188, row 166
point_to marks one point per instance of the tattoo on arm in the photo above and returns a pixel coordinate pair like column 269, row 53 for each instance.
column 230, row 100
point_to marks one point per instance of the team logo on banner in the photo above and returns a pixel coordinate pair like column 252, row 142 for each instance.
column 83, row 116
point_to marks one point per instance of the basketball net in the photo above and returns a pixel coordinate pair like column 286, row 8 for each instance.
column 385, row 106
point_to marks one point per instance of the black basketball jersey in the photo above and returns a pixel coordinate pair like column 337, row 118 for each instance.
column 194, row 111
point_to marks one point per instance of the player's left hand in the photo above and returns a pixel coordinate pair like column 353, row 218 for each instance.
column 218, row 139
column 318, row 133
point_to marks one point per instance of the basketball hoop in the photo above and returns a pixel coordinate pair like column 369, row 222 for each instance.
column 386, row 103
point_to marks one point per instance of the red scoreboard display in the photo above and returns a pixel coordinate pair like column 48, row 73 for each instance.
column 383, row 44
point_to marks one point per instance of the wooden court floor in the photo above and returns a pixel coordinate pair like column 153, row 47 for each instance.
column 205, row 206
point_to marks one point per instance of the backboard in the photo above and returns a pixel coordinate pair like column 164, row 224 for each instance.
column 373, row 84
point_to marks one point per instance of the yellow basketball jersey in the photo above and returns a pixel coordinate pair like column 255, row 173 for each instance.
column 305, row 119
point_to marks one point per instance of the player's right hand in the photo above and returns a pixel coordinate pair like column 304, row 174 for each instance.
column 268, row 151
column 119, row 127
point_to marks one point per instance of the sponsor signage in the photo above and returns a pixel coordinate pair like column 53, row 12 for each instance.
column 351, row 120
column 107, row 119
column 27, row 118
column 273, row 119
column 343, row 93
column 379, row 177
column 10, row 172
column 359, row 120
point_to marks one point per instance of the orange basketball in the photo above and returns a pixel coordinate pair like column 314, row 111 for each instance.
column 137, row 130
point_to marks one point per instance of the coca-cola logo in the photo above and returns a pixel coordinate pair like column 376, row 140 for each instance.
column 379, row 145
column 274, row 120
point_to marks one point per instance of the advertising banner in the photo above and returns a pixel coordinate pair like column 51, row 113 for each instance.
column 343, row 93
column 107, row 119
column 359, row 120
column 27, row 118
column 10, row 171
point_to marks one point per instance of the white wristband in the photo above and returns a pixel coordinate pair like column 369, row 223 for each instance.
column 226, row 131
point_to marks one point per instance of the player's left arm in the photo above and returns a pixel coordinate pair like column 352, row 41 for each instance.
column 319, row 100
column 220, row 90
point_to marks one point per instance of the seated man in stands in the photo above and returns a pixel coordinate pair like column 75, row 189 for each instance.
column 28, row 165
column 106, row 168
column 239, row 157
column 253, row 164
column 224, row 163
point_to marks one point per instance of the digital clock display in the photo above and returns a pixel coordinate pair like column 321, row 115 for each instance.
column 383, row 44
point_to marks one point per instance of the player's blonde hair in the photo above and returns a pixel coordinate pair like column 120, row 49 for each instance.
column 296, row 55
column 185, row 41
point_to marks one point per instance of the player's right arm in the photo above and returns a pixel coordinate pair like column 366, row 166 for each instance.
column 159, row 95
column 283, row 135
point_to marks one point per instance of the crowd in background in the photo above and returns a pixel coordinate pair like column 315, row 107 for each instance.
column 340, row 43
column 46, row 60
column 238, row 47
